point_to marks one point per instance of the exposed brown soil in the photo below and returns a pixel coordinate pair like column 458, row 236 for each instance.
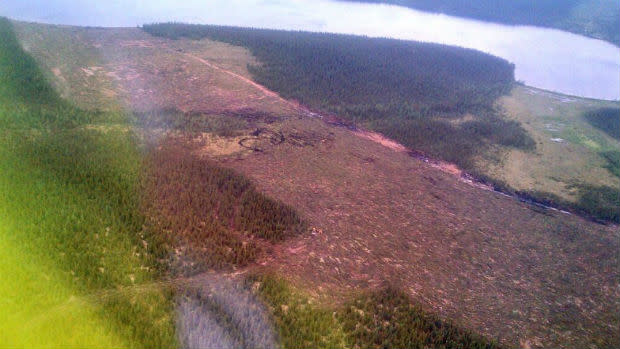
column 159, row 74
column 243, row 79
column 495, row 265
column 378, row 138
column 509, row 270
column 146, row 73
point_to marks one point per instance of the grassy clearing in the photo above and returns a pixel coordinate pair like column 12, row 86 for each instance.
column 125, row 68
column 70, row 221
column 381, row 319
column 574, row 160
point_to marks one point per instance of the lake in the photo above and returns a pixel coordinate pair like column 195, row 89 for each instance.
column 544, row 58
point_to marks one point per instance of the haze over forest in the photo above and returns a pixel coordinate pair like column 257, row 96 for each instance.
column 171, row 177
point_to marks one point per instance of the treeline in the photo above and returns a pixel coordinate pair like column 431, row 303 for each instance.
column 606, row 120
column 385, row 318
column 599, row 203
column 411, row 91
column 415, row 93
column 577, row 16
column 22, row 79
column 612, row 159
column 213, row 214
column 532, row 12
column 71, row 221
column 388, row 319
column 363, row 76
column 29, row 99
column 458, row 143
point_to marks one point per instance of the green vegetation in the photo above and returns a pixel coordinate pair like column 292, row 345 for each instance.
column 73, row 248
column 606, row 120
column 24, row 88
column 460, row 143
column 382, row 319
column 432, row 98
column 71, row 64
column 602, row 202
column 595, row 18
column 612, row 158
column 388, row 319
column 572, row 154
column 215, row 214
column 363, row 77
column 300, row 322
column 413, row 92
column 599, row 202
column 221, row 125
column 83, row 245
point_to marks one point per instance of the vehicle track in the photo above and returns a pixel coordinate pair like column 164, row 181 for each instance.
column 378, row 138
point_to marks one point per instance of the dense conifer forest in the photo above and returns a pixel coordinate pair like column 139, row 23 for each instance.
column 410, row 91
column 606, row 120
column 432, row 98
column 384, row 318
column 70, row 221
column 213, row 214
column 92, row 215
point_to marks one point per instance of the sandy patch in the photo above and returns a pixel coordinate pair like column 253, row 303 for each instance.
column 378, row 138
column 211, row 145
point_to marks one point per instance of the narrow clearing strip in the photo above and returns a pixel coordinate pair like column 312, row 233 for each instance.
column 258, row 86
column 380, row 139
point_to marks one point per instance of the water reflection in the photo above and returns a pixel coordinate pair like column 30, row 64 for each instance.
column 544, row 58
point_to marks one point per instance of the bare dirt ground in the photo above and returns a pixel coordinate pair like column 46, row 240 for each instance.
column 523, row 275
column 163, row 78
column 378, row 138
column 495, row 265
column 96, row 67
